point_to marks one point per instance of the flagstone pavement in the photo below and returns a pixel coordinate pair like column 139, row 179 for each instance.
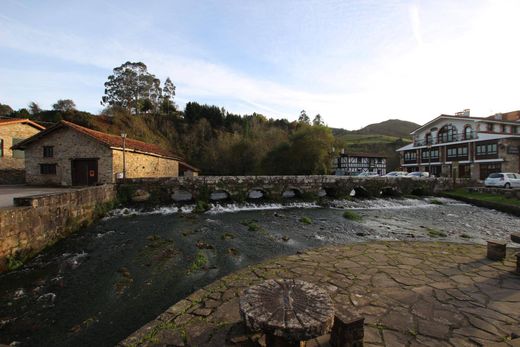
column 410, row 293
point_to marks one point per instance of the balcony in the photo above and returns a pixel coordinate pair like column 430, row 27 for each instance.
column 446, row 138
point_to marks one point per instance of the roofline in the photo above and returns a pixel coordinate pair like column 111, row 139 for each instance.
column 23, row 120
column 191, row 167
column 465, row 118
column 22, row 145
column 142, row 152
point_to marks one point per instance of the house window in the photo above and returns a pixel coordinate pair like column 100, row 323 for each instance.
column 48, row 169
column 428, row 139
column 492, row 149
column 48, row 151
column 468, row 133
column 448, row 133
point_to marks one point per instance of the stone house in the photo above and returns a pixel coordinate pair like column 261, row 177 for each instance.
column 461, row 146
column 68, row 154
column 12, row 163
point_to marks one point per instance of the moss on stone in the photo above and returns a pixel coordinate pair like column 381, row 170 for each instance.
column 198, row 263
column 306, row 220
column 351, row 215
column 435, row 233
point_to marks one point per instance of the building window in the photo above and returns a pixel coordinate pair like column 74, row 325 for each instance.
column 468, row 133
column 48, row 151
column 410, row 155
column 428, row 139
column 48, row 169
column 489, row 126
column 1, row 148
column 448, row 133
column 487, row 149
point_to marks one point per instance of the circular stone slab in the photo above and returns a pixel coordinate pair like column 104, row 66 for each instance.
column 290, row 309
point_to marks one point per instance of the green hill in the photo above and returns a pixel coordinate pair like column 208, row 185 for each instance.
column 391, row 127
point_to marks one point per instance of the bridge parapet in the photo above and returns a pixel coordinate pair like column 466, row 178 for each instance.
column 240, row 188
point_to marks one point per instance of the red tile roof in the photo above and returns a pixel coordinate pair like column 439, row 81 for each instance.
column 117, row 141
column 7, row 121
column 107, row 139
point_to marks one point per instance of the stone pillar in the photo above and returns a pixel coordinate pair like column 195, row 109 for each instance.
column 347, row 331
column 496, row 250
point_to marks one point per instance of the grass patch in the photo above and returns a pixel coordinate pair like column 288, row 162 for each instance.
column 306, row 220
column 251, row 224
column 14, row 263
column 499, row 199
column 435, row 233
column 198, row 263
column 436, row 202
column 201, row 207
column 351, row 215
column 227, row 236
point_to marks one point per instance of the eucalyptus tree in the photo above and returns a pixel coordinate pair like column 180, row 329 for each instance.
column 131, row 86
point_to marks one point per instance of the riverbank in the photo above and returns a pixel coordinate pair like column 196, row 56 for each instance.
column 98, row 285
column 410, row 293
column 494, row 201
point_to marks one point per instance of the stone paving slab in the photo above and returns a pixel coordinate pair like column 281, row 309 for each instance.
column 410, row 293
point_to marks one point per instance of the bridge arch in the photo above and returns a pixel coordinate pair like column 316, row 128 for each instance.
column 257, row 193
column 219, row 194
column 292, row 192
column 181, row 195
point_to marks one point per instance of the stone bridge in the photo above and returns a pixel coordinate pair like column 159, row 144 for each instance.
column 241, row 188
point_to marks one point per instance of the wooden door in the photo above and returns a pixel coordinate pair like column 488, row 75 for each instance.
column 84, row 172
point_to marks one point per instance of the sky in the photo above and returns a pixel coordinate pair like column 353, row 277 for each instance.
column 353, row 62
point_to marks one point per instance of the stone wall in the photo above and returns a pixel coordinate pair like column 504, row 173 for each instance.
column 16, row 131
column 68, row 144
column 143, row 165
column 39, row 221
column 511, row 161
column 162, row 191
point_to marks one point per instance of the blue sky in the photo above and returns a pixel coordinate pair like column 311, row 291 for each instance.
column 354, row 62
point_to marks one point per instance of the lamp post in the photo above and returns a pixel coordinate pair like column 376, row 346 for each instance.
column 123, row 135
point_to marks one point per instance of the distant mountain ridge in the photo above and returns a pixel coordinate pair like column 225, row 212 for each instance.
column 392, row 127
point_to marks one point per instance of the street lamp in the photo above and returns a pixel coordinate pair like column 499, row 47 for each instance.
column 123, row 135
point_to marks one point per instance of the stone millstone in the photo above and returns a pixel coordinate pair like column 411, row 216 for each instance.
column 291, row 309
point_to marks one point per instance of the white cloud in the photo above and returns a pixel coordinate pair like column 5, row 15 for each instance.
column 472, row 64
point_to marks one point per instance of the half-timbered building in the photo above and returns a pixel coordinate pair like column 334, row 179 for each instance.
column 349, row 163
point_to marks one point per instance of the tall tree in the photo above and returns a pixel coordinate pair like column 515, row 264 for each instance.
column 304, row 118
column 130, row 83
column 317, row 120
column 5, row 110
column 34, row 108
column 167, row 104
column 64, row 105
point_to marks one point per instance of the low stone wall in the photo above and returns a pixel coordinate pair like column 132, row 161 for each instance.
column 163, row 190
column 39, row 221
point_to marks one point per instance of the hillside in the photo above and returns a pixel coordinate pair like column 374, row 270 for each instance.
column 391, row 127
column 382, row 138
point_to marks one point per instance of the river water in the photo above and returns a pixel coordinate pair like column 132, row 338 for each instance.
column 102, row 283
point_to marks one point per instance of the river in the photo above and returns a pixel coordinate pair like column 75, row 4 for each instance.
column 102, row 283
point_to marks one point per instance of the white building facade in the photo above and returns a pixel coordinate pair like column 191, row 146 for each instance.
column 465, row 147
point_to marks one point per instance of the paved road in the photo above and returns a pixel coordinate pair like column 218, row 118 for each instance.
column 411, row 294
column 7, row 193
